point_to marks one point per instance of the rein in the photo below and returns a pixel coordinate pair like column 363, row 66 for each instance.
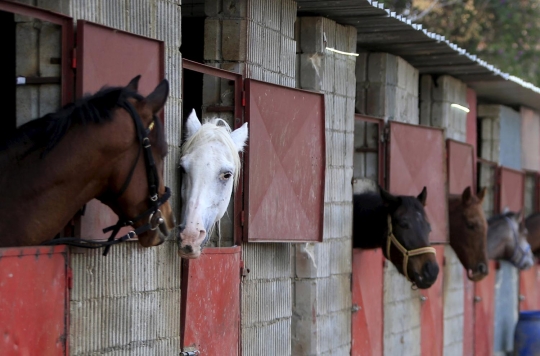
column 517, row 247
column 406, row 253
column 154, row 214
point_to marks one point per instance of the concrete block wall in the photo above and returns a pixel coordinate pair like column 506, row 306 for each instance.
column 386, row 87
column 506, row 308
column 530, row 194
column 365, row 161
column 437, row 94
column 322, row 301
column 37, row 42
column 454, row 303
column 128, row 303
column 530, row 139
column 500, row 139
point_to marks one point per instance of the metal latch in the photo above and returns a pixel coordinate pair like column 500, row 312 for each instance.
column 190, row 353
column 477, row 299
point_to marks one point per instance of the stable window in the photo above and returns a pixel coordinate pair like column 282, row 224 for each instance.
column 487, row 178
column 511, row 189
column 461, row 170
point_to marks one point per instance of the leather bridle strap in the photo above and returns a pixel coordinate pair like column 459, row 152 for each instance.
column 406, row 253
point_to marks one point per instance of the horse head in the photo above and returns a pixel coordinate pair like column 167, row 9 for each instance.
column 468, row 232
column 210, row 166
column 507, row 239
column 136, row 190
column 407, row 244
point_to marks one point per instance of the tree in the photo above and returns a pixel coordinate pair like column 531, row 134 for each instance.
column 505, row 33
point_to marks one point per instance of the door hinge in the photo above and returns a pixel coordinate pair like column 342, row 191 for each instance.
column 243, row 271
column 69, row 278
column 74, row 58
column 243, row 98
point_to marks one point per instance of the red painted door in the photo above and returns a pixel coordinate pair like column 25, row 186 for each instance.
column 127, row 56
column 512, row 189
column 34, row 301
column 432, row 317
column 284, row 174
column 460, row 167
column 210, row 320
column 484, row 313
column 417, row 157
column 468, row 317
column 367, row 299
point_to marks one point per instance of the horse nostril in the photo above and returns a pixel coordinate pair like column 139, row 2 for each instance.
column 482, row 268
column 181, row 227
column 430, row 271
column 188, row 249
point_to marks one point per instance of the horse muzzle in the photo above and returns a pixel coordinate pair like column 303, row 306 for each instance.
column 191, row 241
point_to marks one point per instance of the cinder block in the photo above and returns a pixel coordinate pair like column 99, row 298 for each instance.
column 212, row 39
column 311, row 35
column 288, row 18
column 312, row 67
column 361, row 67
column 234, row 40
column 329, row 28
column 50, row 98
column 304, row 325
column 26, row 50
column 235, row 8
column 26, row 99
column 489, row 110
column 212, row 8
column 440, row 112
column 382, row 68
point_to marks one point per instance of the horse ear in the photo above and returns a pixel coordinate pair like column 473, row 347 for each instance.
column 466, row 196
column 192, row 124
column 156, row 99
column 481, row 195
column 240, row 136
column 389, row 200
column 422, row 196
column 133, row 84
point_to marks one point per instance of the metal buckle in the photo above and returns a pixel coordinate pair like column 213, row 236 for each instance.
column 154, row 197
column 131, row 234
column 155, row 220
column 146, row 142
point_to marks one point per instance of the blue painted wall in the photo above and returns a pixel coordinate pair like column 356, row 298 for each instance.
column 510, row 135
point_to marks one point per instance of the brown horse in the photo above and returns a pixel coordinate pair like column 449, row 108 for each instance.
column 108, row 146
column 468, row 232
column 533, row 226
column 399, row 225
column 507, row 240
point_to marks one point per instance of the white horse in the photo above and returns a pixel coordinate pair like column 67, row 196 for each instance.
column 210, row 166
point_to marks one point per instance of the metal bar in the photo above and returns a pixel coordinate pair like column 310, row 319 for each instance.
column 367, row 149
column 203, row 68
column 37, row 80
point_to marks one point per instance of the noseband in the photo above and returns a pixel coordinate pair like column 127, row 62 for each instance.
column 155, row 201
column 519, row 254
column 406, row 253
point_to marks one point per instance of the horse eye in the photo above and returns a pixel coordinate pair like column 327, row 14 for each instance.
column 225, row 176
column 404, row 225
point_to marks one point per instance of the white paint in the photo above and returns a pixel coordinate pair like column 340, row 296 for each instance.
column 460, row 107
column 211, row 165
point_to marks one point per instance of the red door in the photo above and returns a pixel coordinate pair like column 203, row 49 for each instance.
column 417, row 157
column 484, row 313
column 285, row 164
column 367, row 299
column 432, row 317
column 34, row 301
column 127, row 56
column 512, row 189
column 210, row 320
column 529, row 288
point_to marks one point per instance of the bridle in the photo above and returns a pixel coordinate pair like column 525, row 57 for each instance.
column 391, row 239
column 155, row 218
column 519, row 254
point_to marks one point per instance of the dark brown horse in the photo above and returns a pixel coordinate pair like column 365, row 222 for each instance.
column 468, row 232
column 89, row 149
column 398, row 225
column 533, row 226
column 507, row 240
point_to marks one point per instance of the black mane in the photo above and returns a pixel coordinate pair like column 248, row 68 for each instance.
column 498, row 217
column 47, row 131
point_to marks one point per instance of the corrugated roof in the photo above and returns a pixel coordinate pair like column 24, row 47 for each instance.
column 382, row 30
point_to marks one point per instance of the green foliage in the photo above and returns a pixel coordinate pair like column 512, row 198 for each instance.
column 505, row 33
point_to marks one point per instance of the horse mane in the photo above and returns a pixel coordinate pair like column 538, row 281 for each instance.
column 499, row 217
column 47, row 131
column 214, row 130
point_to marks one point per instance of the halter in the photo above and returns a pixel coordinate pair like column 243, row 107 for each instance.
column 154, row 214
column 406, row 253
column 516, row 259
